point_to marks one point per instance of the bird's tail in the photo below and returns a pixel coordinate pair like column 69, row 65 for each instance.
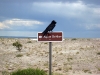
column 44, row 32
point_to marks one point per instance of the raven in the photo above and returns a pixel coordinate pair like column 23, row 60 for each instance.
column 49, row 28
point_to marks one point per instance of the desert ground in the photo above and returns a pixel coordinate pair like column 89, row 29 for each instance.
column 73, row 56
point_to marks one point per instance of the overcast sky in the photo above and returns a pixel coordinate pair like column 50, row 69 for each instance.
column 76, row 18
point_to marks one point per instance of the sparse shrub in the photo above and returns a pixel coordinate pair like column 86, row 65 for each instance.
column 59, row 69
column 77, row 52
column 74, row 39
column 88, row 39
column 45, row 43
column 5, row 73
column 86, row 71
column 46, row 64
column 54, row 64
column 81, row 48
column 69, row 59
column 18, row 45
column 29, row 42
column 61, row 53
column 19, row 55
column 57, row 74
column 98, row 53
column 29, row 71
column 3, row 43
column 98, row 69
column 27, row 54
column 67, row 68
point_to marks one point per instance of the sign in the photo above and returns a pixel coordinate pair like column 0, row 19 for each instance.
column 50, row 37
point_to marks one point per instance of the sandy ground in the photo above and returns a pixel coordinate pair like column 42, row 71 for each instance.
column 70, row 57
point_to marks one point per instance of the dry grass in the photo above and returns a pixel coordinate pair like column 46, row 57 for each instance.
column 72, row 56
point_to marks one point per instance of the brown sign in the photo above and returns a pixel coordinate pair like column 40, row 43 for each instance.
column 50, row 37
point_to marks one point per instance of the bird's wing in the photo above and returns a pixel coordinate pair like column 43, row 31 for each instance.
column 49, row 28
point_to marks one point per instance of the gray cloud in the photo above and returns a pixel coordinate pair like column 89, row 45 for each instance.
column 32, row 1
column 95, row 2
column 28, row 1
column 38, row 0
column 71, row 15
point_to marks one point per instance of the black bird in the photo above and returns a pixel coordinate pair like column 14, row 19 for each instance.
column 49, row 28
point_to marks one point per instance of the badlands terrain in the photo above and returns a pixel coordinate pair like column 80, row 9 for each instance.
column 73, row 56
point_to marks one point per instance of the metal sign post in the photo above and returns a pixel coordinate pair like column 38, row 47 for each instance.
column 52, row 37
column 50, row 58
